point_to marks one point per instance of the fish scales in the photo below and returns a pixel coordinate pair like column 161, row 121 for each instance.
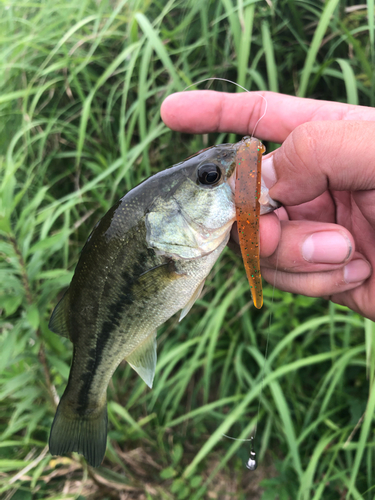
column 145, row 260
column 120, row 320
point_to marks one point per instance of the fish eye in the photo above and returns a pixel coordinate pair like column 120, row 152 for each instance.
column 209, row 174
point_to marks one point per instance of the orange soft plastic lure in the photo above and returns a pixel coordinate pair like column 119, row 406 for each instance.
column 247, row 193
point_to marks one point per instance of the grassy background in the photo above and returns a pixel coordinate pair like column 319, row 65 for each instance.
column 81, row 87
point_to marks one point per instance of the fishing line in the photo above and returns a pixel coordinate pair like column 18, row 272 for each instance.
column 236, row 439
column 252, row 462
column 241, row 87
column 267, row 344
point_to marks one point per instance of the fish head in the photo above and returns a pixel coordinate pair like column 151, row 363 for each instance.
column 207, row 195
column 195, row 210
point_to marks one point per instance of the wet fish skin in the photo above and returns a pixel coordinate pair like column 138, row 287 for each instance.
column 145, row 260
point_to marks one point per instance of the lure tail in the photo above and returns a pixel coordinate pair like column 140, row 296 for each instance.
column 85, row 434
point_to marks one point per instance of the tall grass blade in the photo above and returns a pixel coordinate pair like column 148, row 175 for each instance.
column 350, row 81
column 272, row 71
column 364, row 437
column 159, row 48
column 247, row 20
column 320, row 31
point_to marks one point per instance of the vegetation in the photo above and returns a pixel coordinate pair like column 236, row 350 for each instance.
column 81, row 87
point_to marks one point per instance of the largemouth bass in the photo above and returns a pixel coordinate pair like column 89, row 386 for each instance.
column 145, row 260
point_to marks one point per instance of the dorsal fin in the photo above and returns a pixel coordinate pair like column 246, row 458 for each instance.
column 58, row 322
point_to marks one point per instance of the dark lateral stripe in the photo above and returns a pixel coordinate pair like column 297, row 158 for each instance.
column 93, row 362
column 115, row 311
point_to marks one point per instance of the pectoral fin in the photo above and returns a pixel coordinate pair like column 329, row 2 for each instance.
column 156, row 278
column 143, row 359
column 192, row 300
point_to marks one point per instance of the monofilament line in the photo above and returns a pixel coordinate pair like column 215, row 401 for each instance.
column 252, row 464
column 236, row 439
column 241, row 87
column 266, row 349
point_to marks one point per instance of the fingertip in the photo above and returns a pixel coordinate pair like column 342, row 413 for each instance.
column 270, row 232
column 268, row 171
column 169, row 110
column 356, row 271
column 328, row 247
column 192, row 112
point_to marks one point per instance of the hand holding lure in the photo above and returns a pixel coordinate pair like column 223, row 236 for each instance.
column 249, row 191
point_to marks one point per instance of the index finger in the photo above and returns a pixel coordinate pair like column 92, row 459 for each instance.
column 204, row 111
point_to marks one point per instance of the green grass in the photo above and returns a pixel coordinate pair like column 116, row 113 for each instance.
column 81, row 88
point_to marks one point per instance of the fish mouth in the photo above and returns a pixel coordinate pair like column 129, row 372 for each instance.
column 232, row 180
column 267, row 204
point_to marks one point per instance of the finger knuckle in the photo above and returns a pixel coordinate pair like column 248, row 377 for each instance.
column 302, row 148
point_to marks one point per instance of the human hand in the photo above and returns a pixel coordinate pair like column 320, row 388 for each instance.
column 323, row 239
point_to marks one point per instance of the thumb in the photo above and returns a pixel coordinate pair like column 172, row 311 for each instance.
column 317, row 156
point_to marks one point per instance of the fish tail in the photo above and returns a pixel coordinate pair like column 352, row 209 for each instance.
column 85, row 434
